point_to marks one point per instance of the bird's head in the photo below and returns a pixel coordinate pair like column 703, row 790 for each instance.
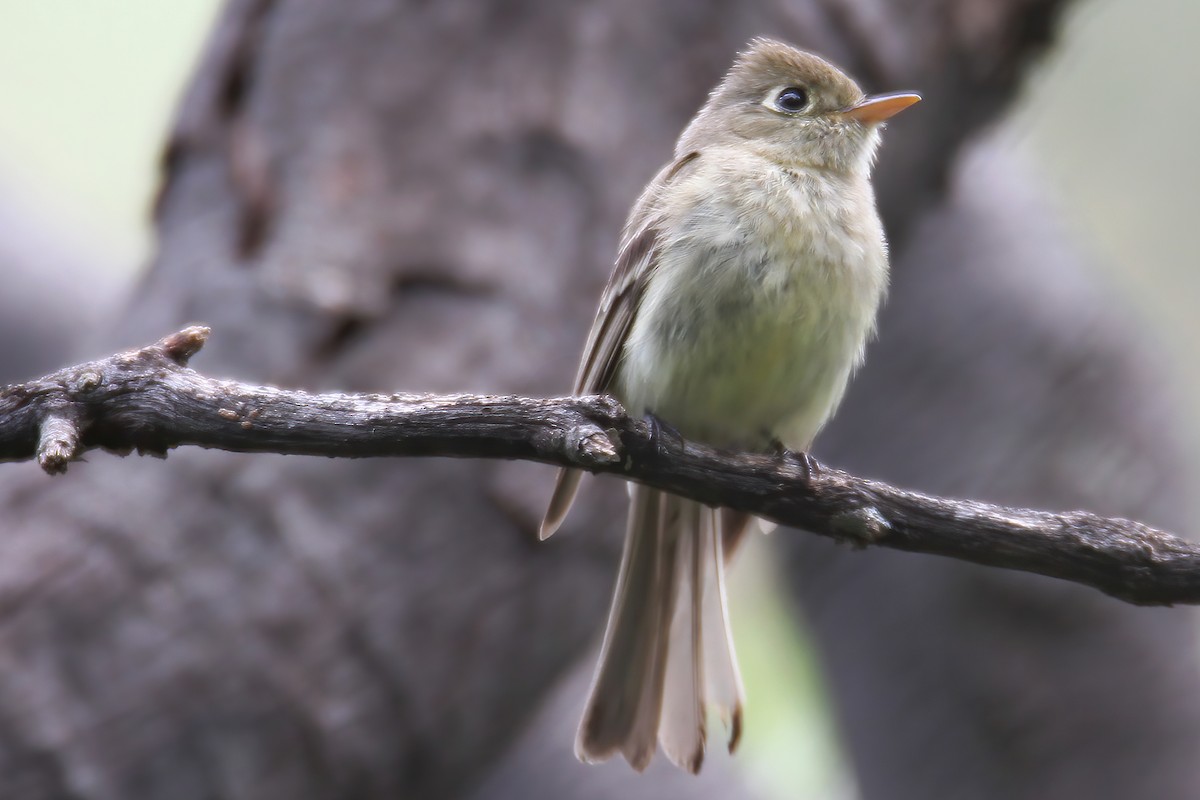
column 794, row 108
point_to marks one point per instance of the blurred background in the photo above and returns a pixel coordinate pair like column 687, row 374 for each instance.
column 1105, row 121
column 1105, row 124
column 89, row 92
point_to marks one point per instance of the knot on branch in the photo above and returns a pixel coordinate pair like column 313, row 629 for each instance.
column 862, row 526
column 86, row 382
column 592, row 446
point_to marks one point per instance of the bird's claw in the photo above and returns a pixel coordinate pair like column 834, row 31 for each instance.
column 812, row 467
column 662, row 432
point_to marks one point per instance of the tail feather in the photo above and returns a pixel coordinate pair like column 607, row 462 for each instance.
column 625, row 703
column 724, row 682
column 683, row 725
column 667, row 651
column 734, row 527
column 566, row 486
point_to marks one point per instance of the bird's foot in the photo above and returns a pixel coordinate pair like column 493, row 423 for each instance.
column 781, row 452
column 663, row 435
column 777, row 448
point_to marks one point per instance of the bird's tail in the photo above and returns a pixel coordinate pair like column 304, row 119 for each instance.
column 668, row 653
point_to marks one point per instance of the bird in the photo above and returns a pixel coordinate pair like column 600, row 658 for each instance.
column 745, row 290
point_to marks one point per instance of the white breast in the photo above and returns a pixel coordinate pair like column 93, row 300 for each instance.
column 763, row 298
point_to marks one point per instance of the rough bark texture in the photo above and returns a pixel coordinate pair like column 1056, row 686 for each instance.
column 148, row 400
column 420, row 196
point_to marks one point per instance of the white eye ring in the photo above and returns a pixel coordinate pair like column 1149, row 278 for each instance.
column 788, row 99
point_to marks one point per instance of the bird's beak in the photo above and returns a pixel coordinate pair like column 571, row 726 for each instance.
column 879, row 107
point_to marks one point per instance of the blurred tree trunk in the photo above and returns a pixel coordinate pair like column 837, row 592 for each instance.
column 375, row 195
column 1003, row 373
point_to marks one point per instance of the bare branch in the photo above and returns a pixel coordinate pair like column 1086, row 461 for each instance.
column 149, row 400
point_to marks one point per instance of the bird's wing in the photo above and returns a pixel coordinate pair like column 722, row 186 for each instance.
column 614, row 318
column 619, row 304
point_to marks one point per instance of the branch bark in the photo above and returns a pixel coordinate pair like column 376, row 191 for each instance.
column 150, row 401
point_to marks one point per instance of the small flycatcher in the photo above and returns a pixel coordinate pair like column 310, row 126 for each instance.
column 745, row 290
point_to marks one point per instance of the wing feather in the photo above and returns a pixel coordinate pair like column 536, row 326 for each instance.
column 614, row 318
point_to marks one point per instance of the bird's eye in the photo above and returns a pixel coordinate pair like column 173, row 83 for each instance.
column 792, row 100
